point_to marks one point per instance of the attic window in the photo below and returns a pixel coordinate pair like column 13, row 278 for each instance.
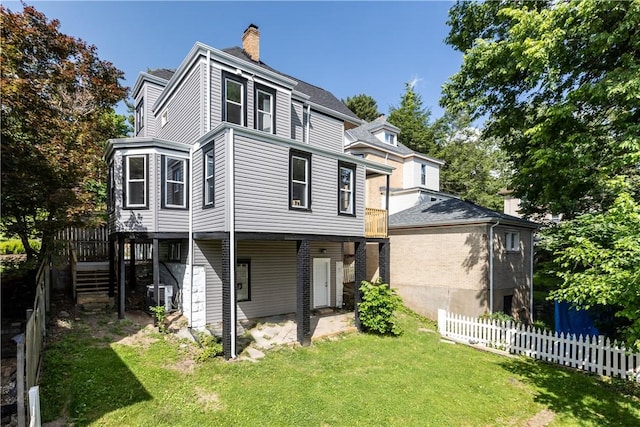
column 164, row 118
column 389, row 138
column 512, row 241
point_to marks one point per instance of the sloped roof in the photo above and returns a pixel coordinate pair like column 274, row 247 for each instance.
column 362, row 133
column 452, row 211
column 316, row 94
column 163, row 73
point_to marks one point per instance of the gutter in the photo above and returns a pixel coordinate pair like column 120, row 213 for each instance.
column 491, row 236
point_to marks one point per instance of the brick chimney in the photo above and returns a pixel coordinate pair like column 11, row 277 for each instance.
column 251, row 42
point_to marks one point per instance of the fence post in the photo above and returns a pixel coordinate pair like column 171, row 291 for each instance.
column 19, row 340
column 34, row 407
column 442, row 315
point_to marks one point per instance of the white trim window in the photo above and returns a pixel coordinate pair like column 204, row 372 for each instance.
column 512, row 241
column 234, row 105
column 164, row 118
column 389, row 138
column 423, row 174
column 140, row 116
column 264, row 111
column 175, row 194
column 136, row 181
column 300, row 181
column 209, row 178
column 345, row 196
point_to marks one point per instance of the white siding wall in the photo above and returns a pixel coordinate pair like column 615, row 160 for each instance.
column 411, row 174
column 283, row 113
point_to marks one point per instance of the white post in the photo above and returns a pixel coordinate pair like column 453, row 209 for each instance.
column 34, row 407
column 442, row 319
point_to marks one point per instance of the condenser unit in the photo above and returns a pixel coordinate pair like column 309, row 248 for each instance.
column 166, row 296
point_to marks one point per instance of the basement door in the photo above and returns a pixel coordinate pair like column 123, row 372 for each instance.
column 321, row 281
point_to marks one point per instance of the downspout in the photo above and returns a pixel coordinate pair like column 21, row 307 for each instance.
column 308, row 124
column 190, row 245
column 491, row 266
column 232, row 240
column 531, row 280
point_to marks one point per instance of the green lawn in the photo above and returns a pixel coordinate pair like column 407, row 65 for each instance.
column 352, row 380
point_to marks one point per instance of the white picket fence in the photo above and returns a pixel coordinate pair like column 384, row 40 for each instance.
column 593, row 354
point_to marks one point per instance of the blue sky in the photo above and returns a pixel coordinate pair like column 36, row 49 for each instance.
column 345, row 47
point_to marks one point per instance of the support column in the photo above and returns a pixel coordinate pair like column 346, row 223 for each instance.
column 155, row 257
column 226, row 299
column 360, row 275
column 384, row 262
column 121, row 273
column 132, row 264
column 112, row 268
column 303, row 292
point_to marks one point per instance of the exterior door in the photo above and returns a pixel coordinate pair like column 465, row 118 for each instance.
column 321, row 281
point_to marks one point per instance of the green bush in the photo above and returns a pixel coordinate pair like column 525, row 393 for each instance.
column 15, row 246
column 210, row 347
column 497, row 315
column 377, row 308
column 160, row 313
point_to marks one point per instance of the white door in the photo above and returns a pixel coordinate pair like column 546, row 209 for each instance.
column 321, row 281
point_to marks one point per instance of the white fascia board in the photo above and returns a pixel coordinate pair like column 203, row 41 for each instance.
column 427, row 158
column 142, row 77
column 299, row 96
column 373, row 148
column 138, row 143
column 278, row 140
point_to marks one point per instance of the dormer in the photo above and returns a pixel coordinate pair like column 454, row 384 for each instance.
column 146, row 91
column 384, row 131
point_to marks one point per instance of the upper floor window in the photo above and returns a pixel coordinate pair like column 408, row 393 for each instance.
column 512, row 241
column 140, row 116
column 174, row 194
column 346, row 179
column 265, row 109
column 111, row 192
column 299, row 180
column 389, row 138
column 135, row 188
column 423, row 174
column 208, row 178
column 234, row 110
column 164, row 118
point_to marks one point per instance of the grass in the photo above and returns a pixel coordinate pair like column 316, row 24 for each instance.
column 355, row 379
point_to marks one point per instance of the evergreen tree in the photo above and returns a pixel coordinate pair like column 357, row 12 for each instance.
column 413, row 121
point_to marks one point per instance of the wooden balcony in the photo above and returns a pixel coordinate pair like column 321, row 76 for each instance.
column 375, row 222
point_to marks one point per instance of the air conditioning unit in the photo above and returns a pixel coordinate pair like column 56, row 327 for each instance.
column 166, row 296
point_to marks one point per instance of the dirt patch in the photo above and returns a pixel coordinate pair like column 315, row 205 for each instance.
column 541, row 419
column 184, row 366
column 142, row 338
column 210, row 400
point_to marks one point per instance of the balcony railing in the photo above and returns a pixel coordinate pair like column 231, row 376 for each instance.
column 375, row 222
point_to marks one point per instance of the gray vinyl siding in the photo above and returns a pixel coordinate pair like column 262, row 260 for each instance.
column 283, row 114
column 183, row 111
column 152, row 94
column 215, row 96
column 250, row 105
column 262, row 193
column 326, row 132
column 211, row 219
column 208, row 254
column 273, row 278
column 297, row 127
column 170, row 220
column 138, row 220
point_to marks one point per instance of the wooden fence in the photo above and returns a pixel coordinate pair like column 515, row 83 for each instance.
column 588, row 353
column 89, row 244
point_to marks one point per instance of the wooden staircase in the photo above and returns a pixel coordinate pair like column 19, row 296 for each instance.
column 91, row 284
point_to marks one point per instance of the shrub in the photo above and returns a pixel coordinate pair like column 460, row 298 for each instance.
column 160, row 313
column 15, row 246
column 377, row 308
column 497, row 315
column 210, row 347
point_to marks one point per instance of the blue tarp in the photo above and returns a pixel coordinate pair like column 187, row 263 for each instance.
column 571, row 321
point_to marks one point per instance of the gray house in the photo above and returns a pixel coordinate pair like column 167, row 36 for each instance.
column 237, row 176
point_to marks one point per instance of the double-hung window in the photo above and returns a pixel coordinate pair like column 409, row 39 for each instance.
column 389, row 138
column 265, row 109
column 346, row 187
column 135, row 187
column 299, row 180
column 175, row 182
column 512, row 241
column 234, row 95
column 140, row 116
column 423, row 174
column 209, row 178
